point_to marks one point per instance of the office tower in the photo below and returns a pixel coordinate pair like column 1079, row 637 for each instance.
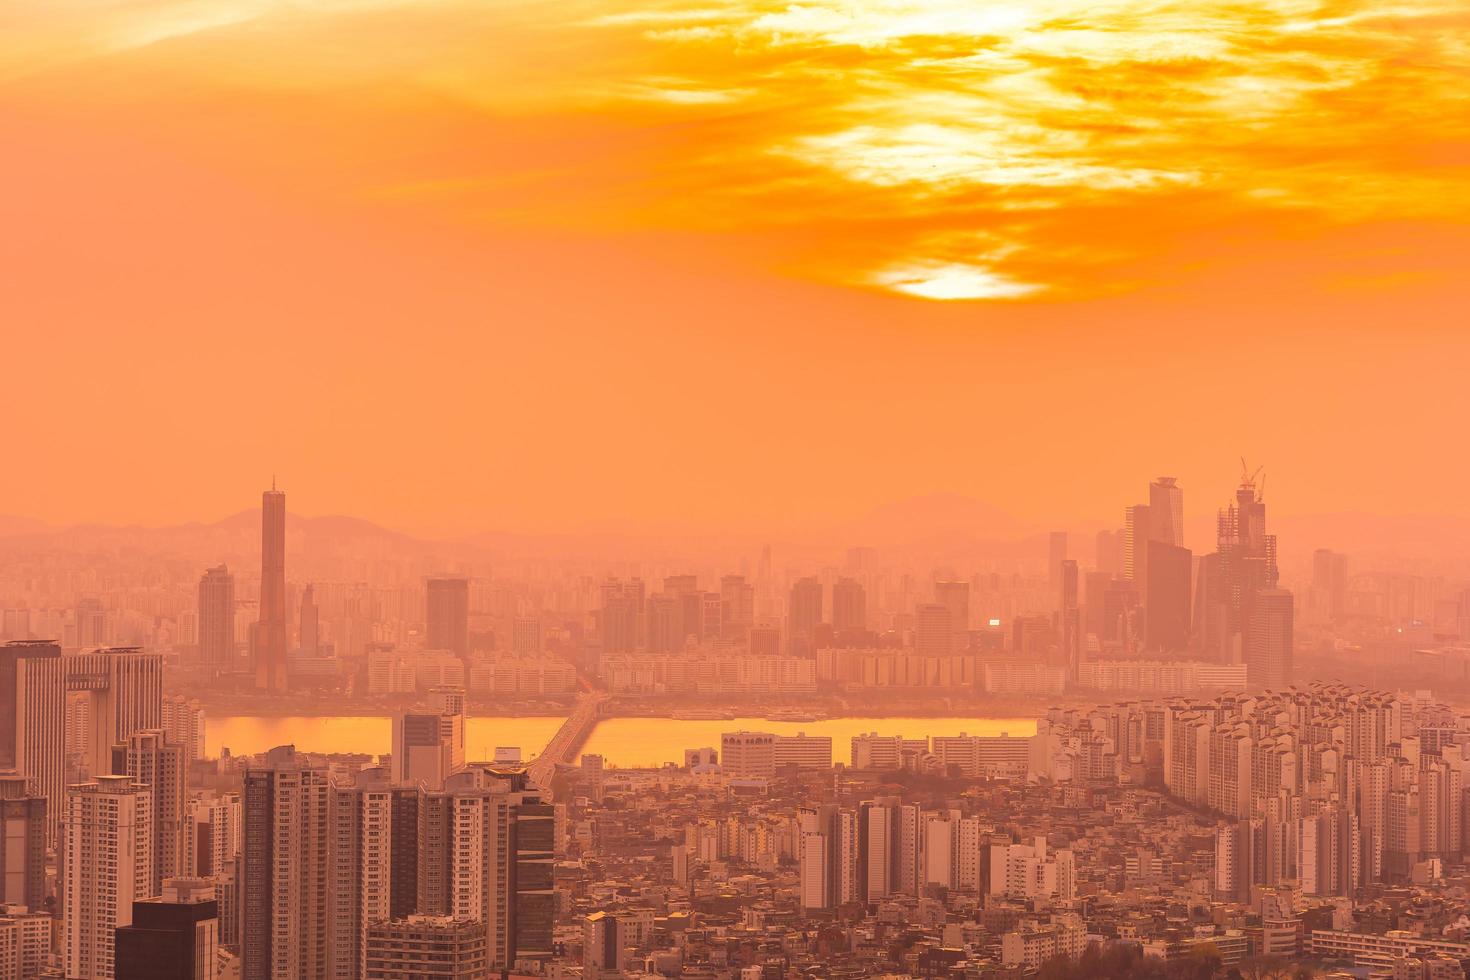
column 737, row 607
column 1166, row 593
column 1056, row 554
column 622, row 612
column 1243, row 564
column 91, row 622
column 22, row 843
column 934, row 631
column 107, row 865
column 447, row 615
column 765, row 640
column 525, row 637
column 285, row 870
column 1070, row 620
column 955, row 596
column 310, row 623
column 184, row 724
column 849, row 605
column 803, row 616
column 114, row 693
column 748, row 755
column 161, row 769
column 270, row 634
column 217, row 618
column 420, row 947
column 1136, row 532
column 428, row 747
column 1166, row 511
column 1329, row 583
column 1109, row 559
column 173, row 936
column 664, row 624
column 1269, row 639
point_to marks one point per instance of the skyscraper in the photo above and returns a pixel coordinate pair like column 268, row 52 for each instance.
column 270, row 637
column 933, row 630
column 310, row 631
column 849, row 605
column 448, row 615
column 955, row 596
column 1269, row 638
column 803, row 616
column 116, row 692
column 22, row 844
column 1166, row 596
column 173, row 936
column 286, row 882
column 163, row 770
column 107, row 864
column 1056, row 554
column 217, row 618
column 1166, row 511
column 428, row 747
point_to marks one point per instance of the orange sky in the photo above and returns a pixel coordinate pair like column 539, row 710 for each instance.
column 465, row 265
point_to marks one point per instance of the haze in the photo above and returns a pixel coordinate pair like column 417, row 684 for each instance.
column 553, row 266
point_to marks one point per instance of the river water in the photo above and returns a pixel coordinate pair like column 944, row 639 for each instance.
column 625, row 742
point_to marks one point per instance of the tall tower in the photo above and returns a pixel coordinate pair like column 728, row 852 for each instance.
column 270, row 638
column 217, row 618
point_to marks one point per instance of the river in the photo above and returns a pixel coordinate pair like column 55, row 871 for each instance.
column 625, row 742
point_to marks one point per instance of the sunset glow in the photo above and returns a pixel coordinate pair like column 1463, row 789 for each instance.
column 443, row 158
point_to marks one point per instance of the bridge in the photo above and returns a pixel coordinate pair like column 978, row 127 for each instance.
column 569, row 738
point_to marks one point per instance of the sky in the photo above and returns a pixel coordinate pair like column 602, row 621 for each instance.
column 460, row 266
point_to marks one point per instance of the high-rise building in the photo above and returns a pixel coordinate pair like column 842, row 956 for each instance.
column 621, row 616
column 1269, row 639
column 172, row 937
column 934, row 631
column 1056, row 553
column 737, row 607
column 285, row 886
column 1167, row 597
column 112, row 693
column 1136, row 532
column 447, row 615
column 525, row 635
column 184, row 724
column 955, row 596
column 849, row 605
column 421, row 947
column 107, row 865
column 162, row 769
column 310, row 623
column 22, row 844
column 1243, row 564
column 217, row 618
column 803, row 616
column 1166, row 511
column 270, row 634
column 748, row 755
column 428, row 747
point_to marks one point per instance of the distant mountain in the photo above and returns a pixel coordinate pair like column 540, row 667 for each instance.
column 931, row 530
